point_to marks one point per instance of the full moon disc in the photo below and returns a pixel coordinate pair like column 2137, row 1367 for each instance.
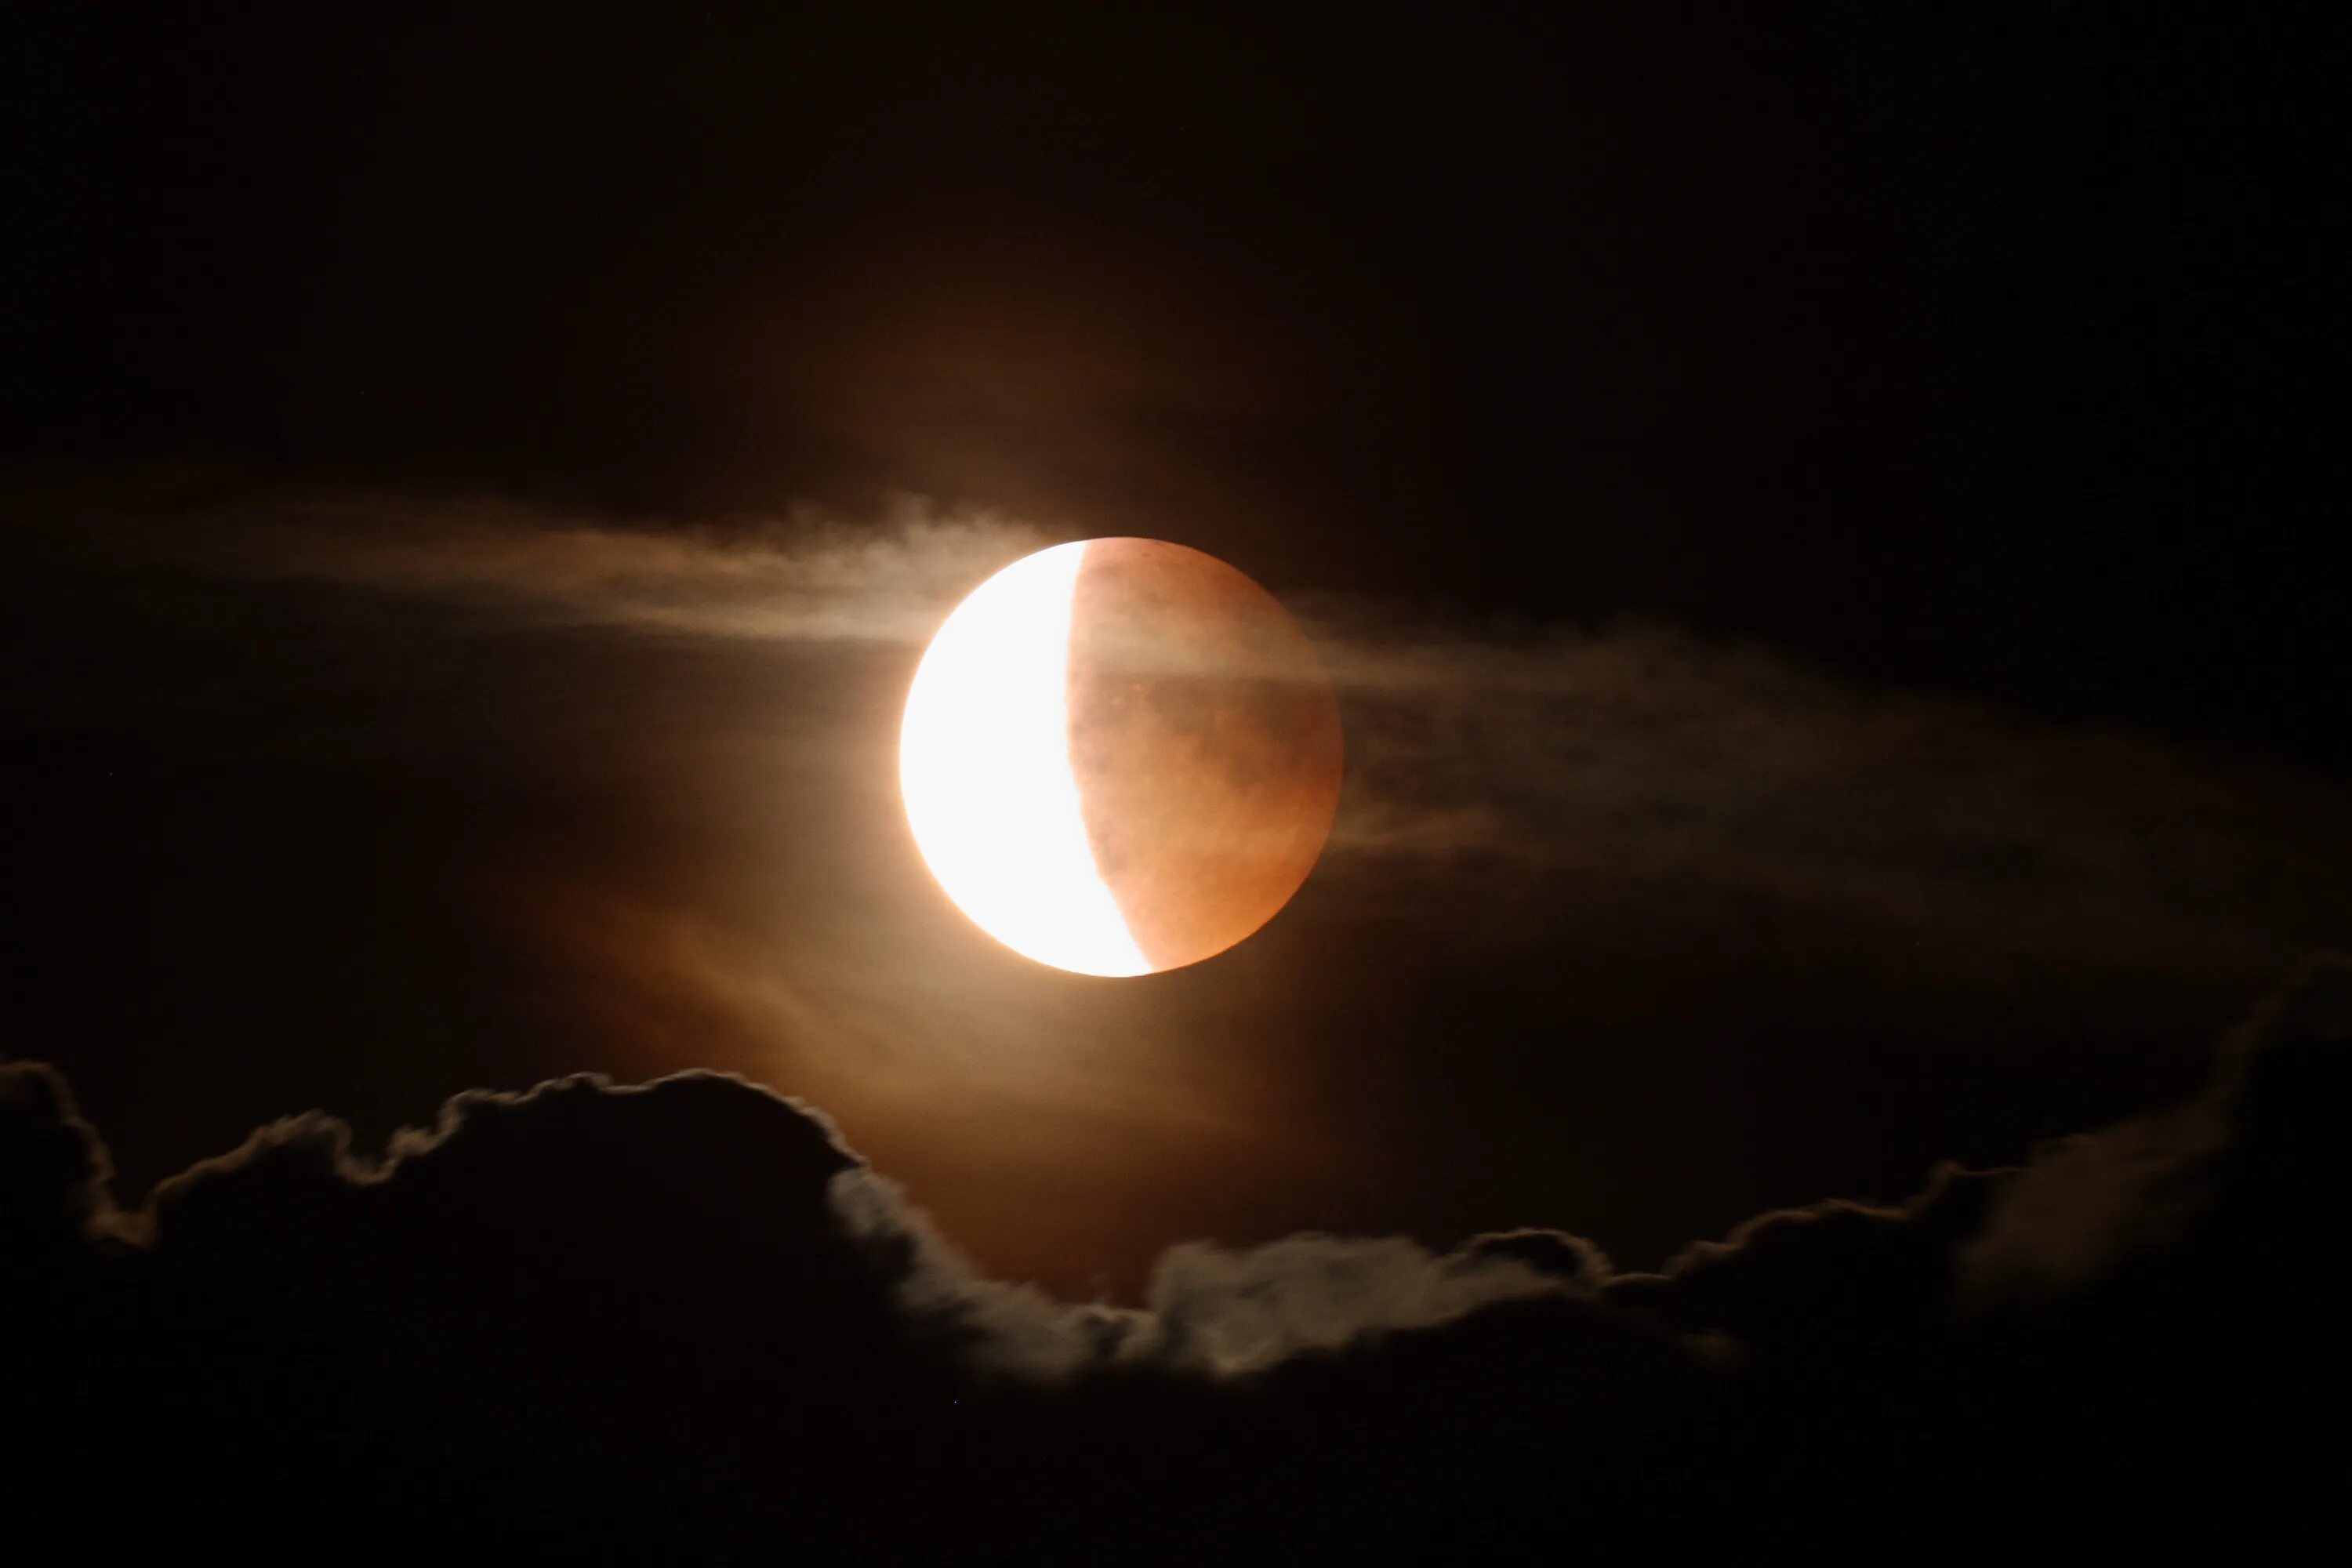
column 1119, row 756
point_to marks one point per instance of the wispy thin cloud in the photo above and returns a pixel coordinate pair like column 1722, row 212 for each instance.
column 1632, row 774
column 799, row 574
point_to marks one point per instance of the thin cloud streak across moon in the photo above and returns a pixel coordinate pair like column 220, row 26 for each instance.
column 1636, row 760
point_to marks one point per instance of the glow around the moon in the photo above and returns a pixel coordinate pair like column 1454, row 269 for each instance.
column 1119, row 756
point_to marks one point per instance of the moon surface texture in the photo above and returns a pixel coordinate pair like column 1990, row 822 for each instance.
column 1119, row 756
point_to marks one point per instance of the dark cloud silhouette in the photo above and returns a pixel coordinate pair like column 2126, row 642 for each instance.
column 683, row 1322
column 2085, row 1207
column 1837, row 1275
column 55, row 1176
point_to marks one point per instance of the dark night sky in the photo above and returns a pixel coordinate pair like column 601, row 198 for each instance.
column 1815, row 515
column 1954, row 349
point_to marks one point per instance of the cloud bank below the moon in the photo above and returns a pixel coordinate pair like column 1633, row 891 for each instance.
column 684, row 1313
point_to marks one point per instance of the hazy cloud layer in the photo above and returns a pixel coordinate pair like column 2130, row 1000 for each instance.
column 652, row 773
column 1679, row 790
column 1720, row 790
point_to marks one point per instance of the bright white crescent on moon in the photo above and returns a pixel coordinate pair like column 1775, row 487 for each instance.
column 1119, row 756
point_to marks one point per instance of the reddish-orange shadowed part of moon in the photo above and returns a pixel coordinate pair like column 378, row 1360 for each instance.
column 1204, row 741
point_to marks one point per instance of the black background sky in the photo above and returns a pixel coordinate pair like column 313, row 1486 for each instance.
column 1957, row 348
column 1954, row 356
column 1819, row 518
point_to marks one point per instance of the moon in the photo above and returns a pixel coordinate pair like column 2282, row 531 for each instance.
column 1119, row 756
